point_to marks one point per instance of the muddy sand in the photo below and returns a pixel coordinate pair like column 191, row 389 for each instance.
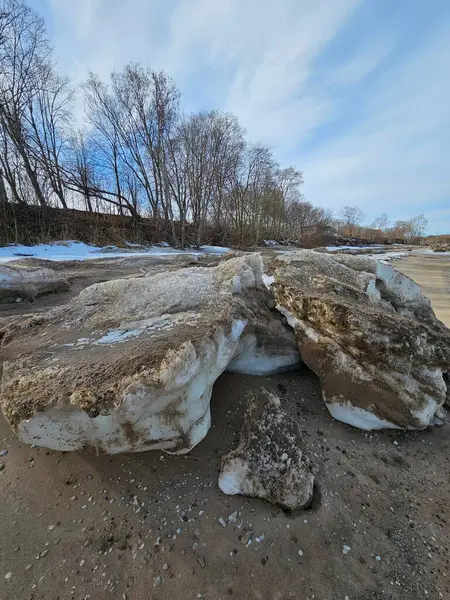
column 146, row 526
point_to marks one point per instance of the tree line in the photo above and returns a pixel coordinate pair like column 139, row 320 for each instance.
column 138, row 153
column 349, row 223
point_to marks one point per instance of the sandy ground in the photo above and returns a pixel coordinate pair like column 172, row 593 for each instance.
column 145, row 526
column 432, row 272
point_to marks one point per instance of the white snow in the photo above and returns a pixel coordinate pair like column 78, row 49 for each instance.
column 253, row 359
column 336, row 248
column 230, row 482
column 388, row 256
column 292, row 321
column 268, row 280
column 213, row 250
column 113, row 337
column 358, row 417
column 72, row 250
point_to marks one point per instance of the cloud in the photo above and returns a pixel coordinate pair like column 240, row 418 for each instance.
column 395, row 159
column 353, row 97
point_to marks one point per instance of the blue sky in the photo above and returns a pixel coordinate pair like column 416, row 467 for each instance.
column 356, row 93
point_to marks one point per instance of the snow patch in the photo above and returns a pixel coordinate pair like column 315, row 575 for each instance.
column 336, row 248
column 116, row 336
column 253, row 359
column 72, row 250
column 358, row 417
column 293, row 321
column 230, row 482
column 268, row 280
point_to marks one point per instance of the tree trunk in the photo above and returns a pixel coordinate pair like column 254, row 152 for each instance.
column 33, row 179
column 88, row 202
column 199, row 233
column 3, row 194
column 61, row 198
column 183, row 232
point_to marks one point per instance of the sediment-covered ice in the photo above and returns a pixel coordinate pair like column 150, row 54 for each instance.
column 129, row 365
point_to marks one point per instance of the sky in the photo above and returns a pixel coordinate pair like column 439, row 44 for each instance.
column 355, row 93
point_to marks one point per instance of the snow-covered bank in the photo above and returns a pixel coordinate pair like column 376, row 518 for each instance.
column 387, row 256
column 356, row 248
column 71, row 250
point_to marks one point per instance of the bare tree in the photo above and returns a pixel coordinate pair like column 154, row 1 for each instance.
column 381, row 222
column 351, row 217
column 25, row 62
column 49, row 118
column 418, row 226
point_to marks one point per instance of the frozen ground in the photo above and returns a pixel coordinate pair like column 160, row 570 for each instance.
column 71, row 250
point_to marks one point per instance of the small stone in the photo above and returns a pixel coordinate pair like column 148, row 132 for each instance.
column 201, row 562
column 8, row 575
column 165, row 567
column 378, row 558
column 246, row 539
column 158, row 581
column 222, row 521
column 3, row 452
column 395, row 443
column 28, row 567
column 300, row 552
column 233, row 517
column 2, row 466
column 346, row 549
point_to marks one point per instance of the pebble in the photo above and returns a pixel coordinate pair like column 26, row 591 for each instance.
column 3, row 452
column 158, row 581
column 300, row 552
column 346, row 549
column 378, row 558
column 8, row 575
column 165, row 567
column 246, row 539
column 201, row 562
column 222, row 521
column 233, row 517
